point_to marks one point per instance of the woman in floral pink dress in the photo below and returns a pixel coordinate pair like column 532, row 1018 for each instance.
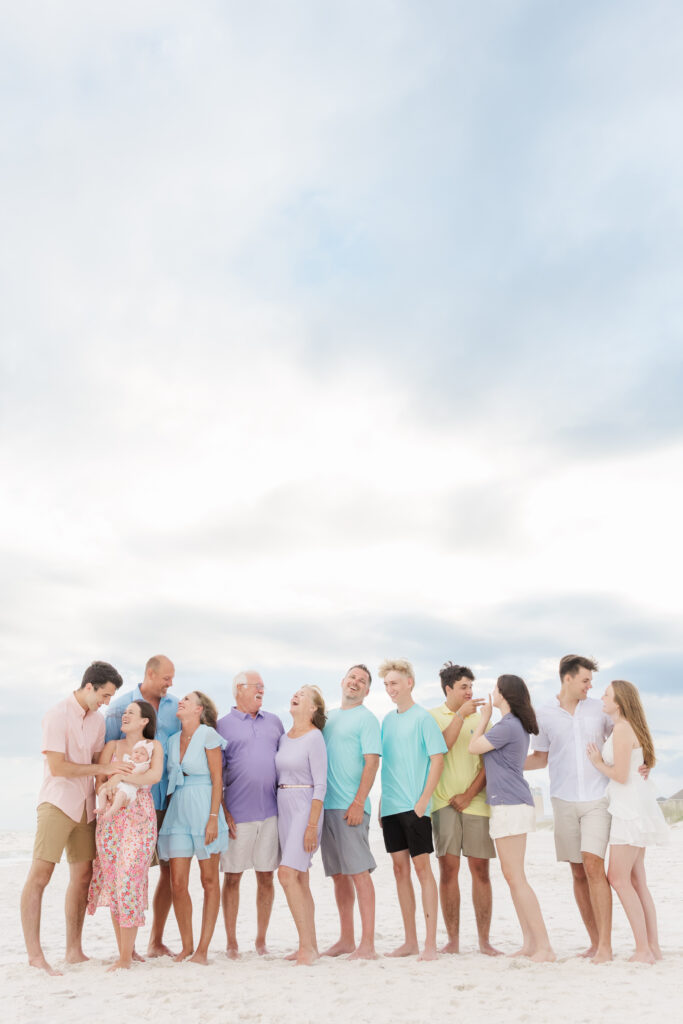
column 126, row 840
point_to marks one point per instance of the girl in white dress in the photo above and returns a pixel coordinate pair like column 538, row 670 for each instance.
column 637, row 819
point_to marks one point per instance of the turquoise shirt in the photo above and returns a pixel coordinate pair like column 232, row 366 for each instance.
column 167, row 725
column 409, row 739
column 349, row 735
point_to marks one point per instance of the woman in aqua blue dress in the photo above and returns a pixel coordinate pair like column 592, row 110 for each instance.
column 195, row 824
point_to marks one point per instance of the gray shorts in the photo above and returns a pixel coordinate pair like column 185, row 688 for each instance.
column 345, row 848
column 581, row 827
column 457, row 833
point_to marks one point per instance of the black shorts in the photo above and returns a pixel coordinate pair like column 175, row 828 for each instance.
column 405, row 831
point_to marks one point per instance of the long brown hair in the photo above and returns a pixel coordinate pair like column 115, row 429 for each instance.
column 209, row 713
column 627, row 699
column 514, row 690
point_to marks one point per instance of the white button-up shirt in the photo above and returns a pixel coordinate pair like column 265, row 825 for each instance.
column 565, row 737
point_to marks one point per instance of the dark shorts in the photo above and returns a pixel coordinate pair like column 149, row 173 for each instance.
column 405, row 831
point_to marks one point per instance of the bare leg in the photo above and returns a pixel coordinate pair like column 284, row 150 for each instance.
column 482, row 901
column 536, row 944
column 208, row 871
column 622, row 860
column 231, row 904
column 449, row 869
column 265, row 894
column 345, row 897
column 582, row 896
column 430, row 903
column 38, row 877
column 161, row 906
column 365, row 891
column 601, row 901
column 75, row 903
column 126, row 942
column 639, row 882
column 299, row 900
column 182, row 904
column 406, row 900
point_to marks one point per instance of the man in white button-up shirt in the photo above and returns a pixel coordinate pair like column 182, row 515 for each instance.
column 577, row 790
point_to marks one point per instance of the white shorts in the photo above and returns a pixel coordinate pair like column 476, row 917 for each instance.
column 256, row 846
column 511, row 820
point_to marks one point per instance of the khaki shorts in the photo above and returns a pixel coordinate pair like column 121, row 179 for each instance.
column 457, row 833
column 56, row 831
column 581, row 827
column 257, row 846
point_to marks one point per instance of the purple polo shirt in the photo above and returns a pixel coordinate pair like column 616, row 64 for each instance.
column 249, row 781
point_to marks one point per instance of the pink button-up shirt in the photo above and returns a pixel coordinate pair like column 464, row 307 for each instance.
column 79, row 735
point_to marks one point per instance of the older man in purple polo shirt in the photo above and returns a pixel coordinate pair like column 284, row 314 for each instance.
column 250, row 802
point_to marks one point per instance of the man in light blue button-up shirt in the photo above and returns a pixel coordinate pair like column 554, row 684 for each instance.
column 159, row 672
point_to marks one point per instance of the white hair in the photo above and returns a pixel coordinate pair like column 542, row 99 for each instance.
column 239, row 680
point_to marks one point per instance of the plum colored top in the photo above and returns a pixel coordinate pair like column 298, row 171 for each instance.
column 249, row 782
column 79, row 735
column 505, row 782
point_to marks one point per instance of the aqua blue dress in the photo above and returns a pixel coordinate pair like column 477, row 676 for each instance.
column 189, row 789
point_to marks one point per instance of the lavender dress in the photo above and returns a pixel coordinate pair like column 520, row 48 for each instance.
column 299, row 762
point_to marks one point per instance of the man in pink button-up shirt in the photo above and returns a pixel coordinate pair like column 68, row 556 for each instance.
column 73, row 737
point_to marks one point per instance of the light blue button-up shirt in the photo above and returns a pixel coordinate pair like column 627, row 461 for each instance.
column 167, row 725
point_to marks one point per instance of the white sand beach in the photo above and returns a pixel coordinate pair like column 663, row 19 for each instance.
column 271, row 989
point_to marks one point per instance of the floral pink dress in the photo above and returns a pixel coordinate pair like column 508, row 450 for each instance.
column 125, row 847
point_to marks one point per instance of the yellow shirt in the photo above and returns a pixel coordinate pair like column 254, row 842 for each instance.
column 460, row 767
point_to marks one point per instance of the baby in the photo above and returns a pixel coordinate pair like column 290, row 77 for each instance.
column 113, row 796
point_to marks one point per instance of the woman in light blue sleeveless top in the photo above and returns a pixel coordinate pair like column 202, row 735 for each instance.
column 195, row 824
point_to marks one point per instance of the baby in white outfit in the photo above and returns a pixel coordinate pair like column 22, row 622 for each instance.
column 112, row 798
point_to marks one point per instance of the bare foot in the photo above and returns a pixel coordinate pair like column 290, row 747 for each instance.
column 452, row 946
column 77, row 956
column 158, row 949
column 232, row 953
column 363, row 953
column 407, row 949
column 602, row 956
column 261, row 948
column 644, row 957
column 42, row 965
column 488, row 950
column 543, row 956
column 339, row 948
column 199, row 958
column 524, row 951
column 306, row 957
column 656, row 952
column 182, row 955
column 118, row 965
column 589, row 953
column 137, row 958
column 429, row 954
column 292, row 956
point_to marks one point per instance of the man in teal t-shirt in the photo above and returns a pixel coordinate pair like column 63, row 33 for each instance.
column 412, row 761
column 352, row 736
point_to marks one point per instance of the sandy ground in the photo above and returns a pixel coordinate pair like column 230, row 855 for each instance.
column 270, row 989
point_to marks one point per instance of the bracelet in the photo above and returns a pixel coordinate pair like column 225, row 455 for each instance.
column 213, row 815
column 359, row 802
column 311, row 826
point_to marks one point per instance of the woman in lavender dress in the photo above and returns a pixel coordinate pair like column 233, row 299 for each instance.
column 301, row 765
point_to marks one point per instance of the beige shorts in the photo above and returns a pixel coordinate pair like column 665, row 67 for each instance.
column 512, row 820
column 580, row 827
column 256, row 846
column 56, row 831
column 457, row 833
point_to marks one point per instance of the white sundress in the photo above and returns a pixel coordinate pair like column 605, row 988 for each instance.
column 637, row 818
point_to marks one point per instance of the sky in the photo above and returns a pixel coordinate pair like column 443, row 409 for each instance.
column 334, row 332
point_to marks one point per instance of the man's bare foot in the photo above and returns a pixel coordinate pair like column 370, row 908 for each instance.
column 306, row 957
column 232, row 953
column 199, row 958
column 644, row 957
column 118, row 965
column 429, row 954
column 524, row 951
column 339, row 948
column 407, row 949
column 543, row 956
column 158, row 949
column 589, row 953
column 261, row 948
column 488, row 950
column 452, row 946
column 602, row 956
column 363, row 953
column 42, row 965
column 76, row 956
column 182, row 955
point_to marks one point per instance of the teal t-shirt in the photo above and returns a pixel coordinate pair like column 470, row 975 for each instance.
column 349, row 735
column 409, row 739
